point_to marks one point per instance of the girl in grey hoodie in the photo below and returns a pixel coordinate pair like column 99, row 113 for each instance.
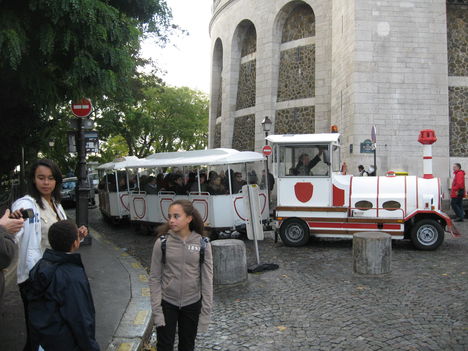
column 181, row 284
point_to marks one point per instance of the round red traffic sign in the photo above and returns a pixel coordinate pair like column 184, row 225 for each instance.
column 267, row 150
column 82, row 108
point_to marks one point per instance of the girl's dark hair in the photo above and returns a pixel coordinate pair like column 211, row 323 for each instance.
column 57, row 176
column 195, row 225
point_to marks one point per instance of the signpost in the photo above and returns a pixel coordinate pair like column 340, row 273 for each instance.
column 267, row 150
column 82, row 109
column 374, row 141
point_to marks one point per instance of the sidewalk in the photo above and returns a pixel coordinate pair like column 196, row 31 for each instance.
column 121, row 297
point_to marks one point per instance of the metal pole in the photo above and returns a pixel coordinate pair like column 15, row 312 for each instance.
column 22, row 173
column 83, row 187
column 375, row 159
column 267, row 185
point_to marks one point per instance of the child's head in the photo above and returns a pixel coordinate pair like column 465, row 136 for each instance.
column 190, row 217
column 63, row 236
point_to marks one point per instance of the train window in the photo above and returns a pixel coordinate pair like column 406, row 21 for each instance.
column 363, row 205
column 304, row 161
column 336, row 160
column 391, row 205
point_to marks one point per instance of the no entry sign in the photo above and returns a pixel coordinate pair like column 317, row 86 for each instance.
column 267, row 150
column 82, row 108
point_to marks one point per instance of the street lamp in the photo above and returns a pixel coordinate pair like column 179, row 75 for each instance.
column 51, row 142
column 266, row 125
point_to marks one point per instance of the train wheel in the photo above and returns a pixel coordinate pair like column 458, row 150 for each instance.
column 294, row 232
column 427, row 234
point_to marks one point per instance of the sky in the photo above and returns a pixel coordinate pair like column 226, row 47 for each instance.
column 186, row 59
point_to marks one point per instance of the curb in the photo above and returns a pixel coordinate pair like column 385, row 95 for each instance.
column 135, row 326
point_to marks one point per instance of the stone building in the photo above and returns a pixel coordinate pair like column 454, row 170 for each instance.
column 399, row 65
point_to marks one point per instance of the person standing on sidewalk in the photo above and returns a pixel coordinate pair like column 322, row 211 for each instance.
column 458, row 192
column 45, row 180
column 60, row 303
column 181, row 278
column 8, row 227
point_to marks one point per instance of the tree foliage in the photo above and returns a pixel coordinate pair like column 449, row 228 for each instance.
column 158, row 119
column 54, row 51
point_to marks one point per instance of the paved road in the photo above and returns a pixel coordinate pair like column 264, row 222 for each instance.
column 315, row 302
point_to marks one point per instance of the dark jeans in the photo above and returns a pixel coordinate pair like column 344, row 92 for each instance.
column 457, row 207
column 29, row 346
column 187, row 320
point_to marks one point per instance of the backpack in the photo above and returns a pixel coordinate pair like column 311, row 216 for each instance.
column 203, row 242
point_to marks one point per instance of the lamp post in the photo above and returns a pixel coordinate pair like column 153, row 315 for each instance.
column 266, row 125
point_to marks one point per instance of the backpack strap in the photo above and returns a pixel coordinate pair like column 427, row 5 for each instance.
column 203, row 242
column 163, row 248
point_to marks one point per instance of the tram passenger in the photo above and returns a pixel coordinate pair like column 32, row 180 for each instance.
column 215, row 187
column 237, row 183
column 203, row 185
column 151, row 187
column 177, row 184
column 192, row 179
column 160, row 182
column 184, row 259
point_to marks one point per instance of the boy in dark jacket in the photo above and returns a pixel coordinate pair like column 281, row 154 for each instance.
column 61, row 308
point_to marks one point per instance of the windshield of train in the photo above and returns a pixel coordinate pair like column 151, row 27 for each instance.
column 304, row 160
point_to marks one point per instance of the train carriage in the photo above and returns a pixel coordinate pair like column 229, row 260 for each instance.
column 219, row 211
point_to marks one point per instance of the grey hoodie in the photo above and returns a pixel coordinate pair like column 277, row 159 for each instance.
column 178, row 280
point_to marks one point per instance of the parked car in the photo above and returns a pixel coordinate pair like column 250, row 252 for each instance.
column 68, row 191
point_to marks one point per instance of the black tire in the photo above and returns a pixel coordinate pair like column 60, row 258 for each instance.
column 294, row 232
column 427, row 234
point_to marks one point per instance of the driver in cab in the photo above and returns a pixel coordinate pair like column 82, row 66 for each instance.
column 305, row 164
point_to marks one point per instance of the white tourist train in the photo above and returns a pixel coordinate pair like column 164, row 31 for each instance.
column 220, row 211
column 315, row 198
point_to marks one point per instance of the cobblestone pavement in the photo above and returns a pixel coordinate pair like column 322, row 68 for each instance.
column 315, row 302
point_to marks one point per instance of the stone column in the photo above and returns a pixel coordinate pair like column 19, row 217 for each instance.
column 372, row 253
column 229, row 262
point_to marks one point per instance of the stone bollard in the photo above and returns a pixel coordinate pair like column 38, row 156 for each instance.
column 229, row 261
column 372, row 253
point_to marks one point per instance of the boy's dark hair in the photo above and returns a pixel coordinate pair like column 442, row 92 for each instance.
column 62, row 234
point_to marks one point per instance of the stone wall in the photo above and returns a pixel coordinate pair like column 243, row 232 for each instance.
column 246, row 86
column 219, row 97
column 249, row 44
column 457, row 39
column 298, row 120
column 217, row 136
column 300, row 24
column 458, row 110
column 297, row 73
column 244, row 133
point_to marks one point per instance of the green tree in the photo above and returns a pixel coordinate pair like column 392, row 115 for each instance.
column 52, row 52
column 158, row 119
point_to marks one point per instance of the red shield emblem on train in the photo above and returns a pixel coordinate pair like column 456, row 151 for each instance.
column 303, row 191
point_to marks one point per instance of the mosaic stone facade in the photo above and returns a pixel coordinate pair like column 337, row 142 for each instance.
column 299, row 120
column 219, row 97
column 300, row 24
column 217, row 136
column 458, row 111
column 297, row 73
column 249, row 44
column 246, row 86
column 457, row 39
column 244, row 133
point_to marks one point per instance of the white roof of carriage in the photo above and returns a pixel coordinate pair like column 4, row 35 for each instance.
column 304, row 138
column 119, row 163
column 208, row 157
